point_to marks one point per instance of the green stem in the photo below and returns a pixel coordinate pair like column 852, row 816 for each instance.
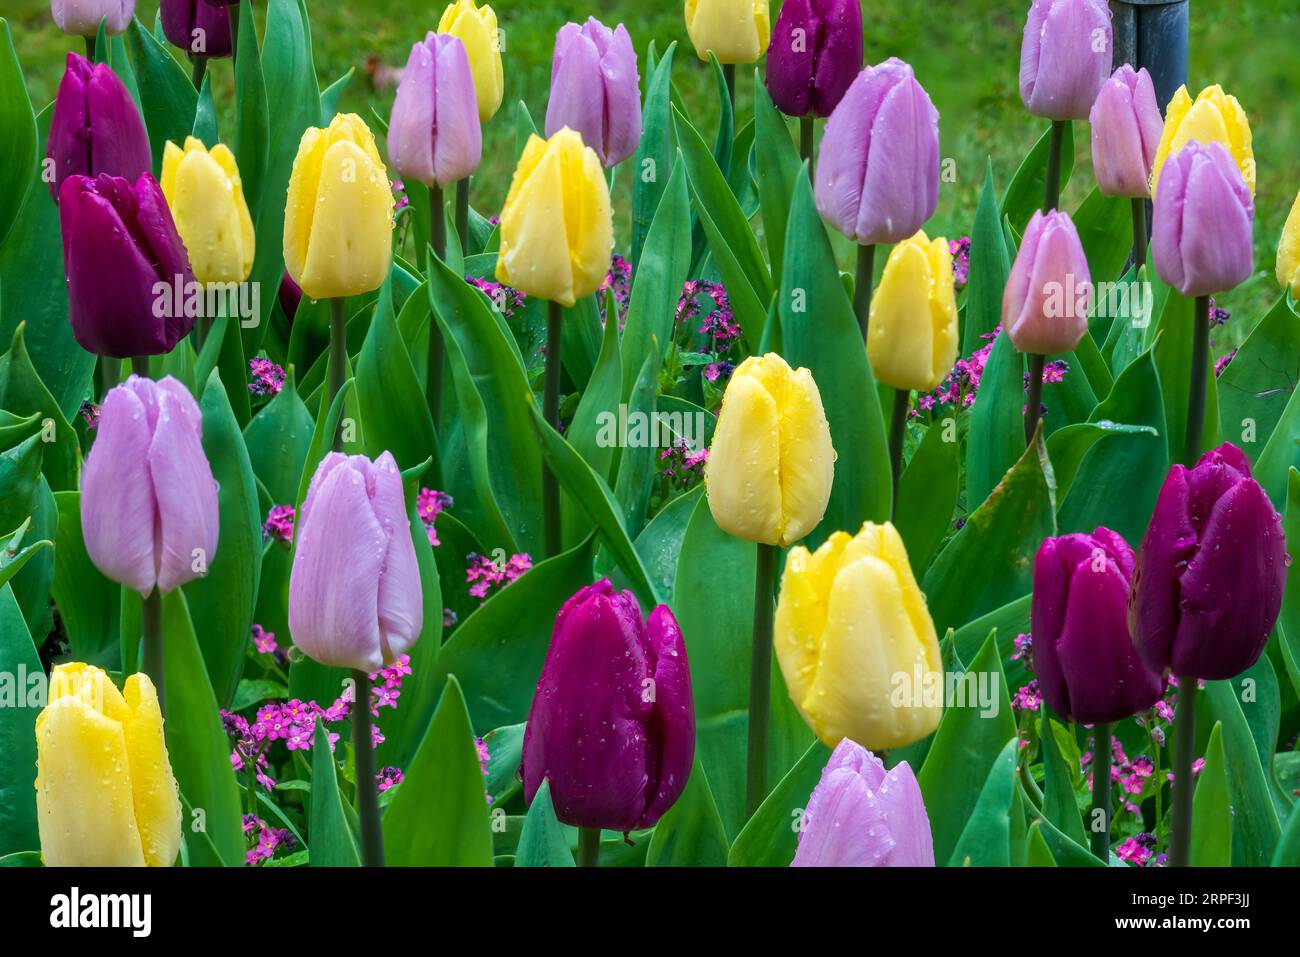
column 1034, row 401
column 897, row 430
column 200, row 70
column 551, row 411
column 434, row 359
column 1052, row 192
column 1158, row 777
column 806, row 136
column 588, row 847
column 462, row 214
column 338, row 357
column 1101, row 735
column 729, row 74
column 250, row 782
column 90, row 48
column 140, row 366
column 862, row 286
column 1180, row 828
column 1198, row 382
column 760, row 679
column 151, row 656
column 363, row 757
column 1139, row 232
column 110, row 370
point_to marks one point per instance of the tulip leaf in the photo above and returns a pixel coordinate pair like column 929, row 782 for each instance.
column 205, row 116
column 14, row 555
column 990, row 265
column 778, row 166
column 995, row 439
column 19, row 124
column 580, row 338
column 690, row 834
column 278, row 439
column 1288, row 625
column 23, row 677
column 927, row 494
column 1063, row 850
column 599, row 401
column 1059, row 803
column 196, row 742
column 20, row 476
column 637, row 470
column 542, row 842
column 332, row 842
column 439, row 815
column 1029, row 185
column 1105, row 227
column 1256, row 387
column 653, row 155
column 1211, row 844
column 89, row 604
column 252, row 122
column 966, row 746
column 1261, row 703
column 660, row 542
column 1288, row 847
column 1255, row 826
column 1173, row 355
column 322, row 439
column 771, row 837
column 1281, row 454
column 1039, row 854
column 23, row 392
column 505, row 748
column 986, row 839
column 1067, row 446
column 167, row 96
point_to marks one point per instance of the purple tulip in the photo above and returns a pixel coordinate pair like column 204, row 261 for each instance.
column 122, row 257
column 816, row 52
column 1210, row 572
column 81, row 17
column 861, row 815
column 1084, row 659
column 355, row 599
column 96, row 127
column 878, row 174
column 612, row 724
column 595, row 89
column 1201, row 230
column 1048, row 296
column 197, row 27
column 1126, row 129
column 434, row 134
column 1065, row 57
column 290, row 296
column 149, row 512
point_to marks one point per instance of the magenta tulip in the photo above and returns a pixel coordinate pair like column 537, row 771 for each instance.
column 595, row 89
column 197, row 27
column 816, row 52
column 1048, row 296
column 434, row 134
column 1065, row 57
column 1126, row 127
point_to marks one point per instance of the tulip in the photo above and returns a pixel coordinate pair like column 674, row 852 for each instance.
column 771, row 466
column 206, row 197
column 354, row 592
column 735, row 31
column 612, row 723
column 1288, row 252
column 556, row 227
column 861, row 815
column 476, row 28
column 290, row 296
column 856, row 643
column 594, row 89
column 1201, row 233
column 82, row 17
column 105, row 793
column 1065, row 57
column 121, row 251
column 816, row 52
column 1126, row 129
column 1047, row 298
column 434, row 135
column 96, row 127
column 1214, row 117
column 912, row 342
column 338, row 219
column 200, row 29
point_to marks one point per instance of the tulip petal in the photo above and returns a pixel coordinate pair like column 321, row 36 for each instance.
column 672, row 728
column 1169, row 544
column 743, row 474
column 186, row 492
column 156, row 800
column 400, row 601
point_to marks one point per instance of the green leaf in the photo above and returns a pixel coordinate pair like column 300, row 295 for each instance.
column 1059, row 804
column 1258, row 384
column 19, row 124
column 771, row 836
column 1211, row 844
column 599, row 400
column 927, row 495
column 89, row 604
column 996, row 437
column 1105, row 226
column 778, row 166
column 18, row 831
column 1288, row 624
column 654, row 148
column 637, row 471
column 1255, row 826
column 278, row 439
column 990, row 265
column 22, row 392
column 167, row 96
column 322, row 439
column 252, row 121
column 542, row 842
column 1288, row 848
column 660, row 542
column 1028, row 186
column 1173, row 355
column 986, row 839
column 1282, row 453
column 691, row 833
column 505, row 747
column 1039, row 854
column 332, row 841
column 205, row 116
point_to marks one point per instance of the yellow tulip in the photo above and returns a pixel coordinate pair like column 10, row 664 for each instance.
column 1214, row 117
column 912, row 337
column 206, row 197
column 557, row 229
column 338, row 221
column 735, row 31
column 856, row 643
column 1288, row 252
column 770, row 469
column 105, row 794
column 476, row 27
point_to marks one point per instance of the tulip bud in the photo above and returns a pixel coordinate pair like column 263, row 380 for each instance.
column 861, row 815
column 595, row 89
column 735, row 31
column 1065, row 57
column 476, row 28
column 434, row 134
column 557, row 230
column 1048, row 296
column 1288, row 252
column 1201, row 229
column 1084, row 659
column 198, row 28
column 120, row 248
column 1210, row 573
column 856, row 643
column 96, row 127
column 148, row 499
column 912, row 337
column 1126, row 130
column 290, row 296
column 355, row 599
column 612, row 723
column 770, row 469
column 878, row 173
column 1215, row 117
column 105, row 794
column 816, row 52
column 338, row 219
column 81, row 17
column 206, row 197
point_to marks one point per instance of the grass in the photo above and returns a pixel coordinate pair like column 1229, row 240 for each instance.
column 966, row 54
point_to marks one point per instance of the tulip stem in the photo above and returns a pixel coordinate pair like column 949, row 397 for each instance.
column 462, row 214
column 897, row 430
column 1034, row 401
column 338, row 356
column 588, row 847
column 434, row 360
column 1139, row 232
column 1055, row 146
column 363, row 757
column 90, row 48
column 1197, row 385
column 551, row 412
column 862, row 286
column 151, row 653
column 760, row 679
column 1180, row 828
column 140, row 366
column 1101, row 737
column 200, row 71
column 109, row 371
column 806, row 137
column 729, row 74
